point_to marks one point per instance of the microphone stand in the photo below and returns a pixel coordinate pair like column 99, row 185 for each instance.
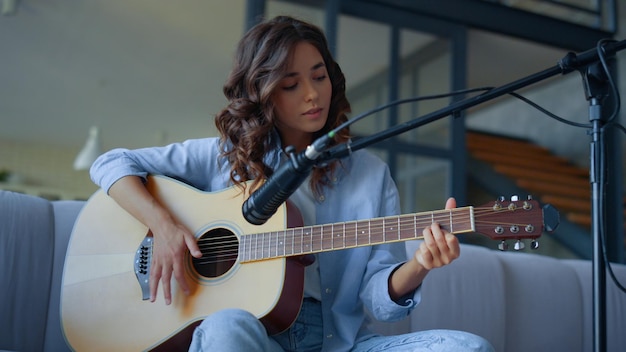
column 596, row 91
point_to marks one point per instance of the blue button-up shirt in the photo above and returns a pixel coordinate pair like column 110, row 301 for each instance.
column 362, row 188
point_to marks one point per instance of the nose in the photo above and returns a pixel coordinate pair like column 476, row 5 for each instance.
column 310, row 91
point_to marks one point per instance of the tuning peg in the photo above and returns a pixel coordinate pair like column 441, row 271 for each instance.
column 514, row 198
column 534, row 244
column 503, row 246
column 519, row 245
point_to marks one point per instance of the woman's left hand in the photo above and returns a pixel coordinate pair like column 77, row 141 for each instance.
column 439, row 247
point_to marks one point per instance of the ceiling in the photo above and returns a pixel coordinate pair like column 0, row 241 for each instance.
column 150, row 72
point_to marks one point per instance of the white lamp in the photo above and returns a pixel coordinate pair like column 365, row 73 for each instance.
column 90, row 152
column 9, row 7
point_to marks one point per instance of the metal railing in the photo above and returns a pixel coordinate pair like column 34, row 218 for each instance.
column 597, row 14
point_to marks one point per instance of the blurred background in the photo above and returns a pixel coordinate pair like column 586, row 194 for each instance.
column 138, row 73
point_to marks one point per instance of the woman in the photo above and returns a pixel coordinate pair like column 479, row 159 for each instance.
column 285, row 89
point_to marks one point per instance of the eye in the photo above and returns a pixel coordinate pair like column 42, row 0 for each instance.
column 320, row 78
column 291, row 87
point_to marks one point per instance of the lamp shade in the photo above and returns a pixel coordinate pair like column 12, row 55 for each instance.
column 90, row 152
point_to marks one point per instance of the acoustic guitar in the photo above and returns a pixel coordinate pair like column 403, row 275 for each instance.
column 105, row 293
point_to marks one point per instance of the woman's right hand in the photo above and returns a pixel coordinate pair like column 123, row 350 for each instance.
column 171, row 239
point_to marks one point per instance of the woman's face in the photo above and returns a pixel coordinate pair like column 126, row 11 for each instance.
column 302, row 97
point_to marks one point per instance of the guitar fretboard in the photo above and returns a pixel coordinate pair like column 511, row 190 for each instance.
column 350, row 234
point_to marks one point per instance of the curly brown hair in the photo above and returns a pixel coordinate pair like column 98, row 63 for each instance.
column 247, row 122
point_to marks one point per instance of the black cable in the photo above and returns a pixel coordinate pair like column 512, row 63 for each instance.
column 404, row 101
column 610, row 122
column 616, row 107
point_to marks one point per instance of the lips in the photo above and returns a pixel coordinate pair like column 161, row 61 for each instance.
column 315, row 112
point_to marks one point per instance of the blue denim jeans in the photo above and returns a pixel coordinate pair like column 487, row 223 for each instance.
column 235, row 330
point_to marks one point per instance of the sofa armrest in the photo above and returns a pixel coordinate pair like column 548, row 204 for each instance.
column 26, row 253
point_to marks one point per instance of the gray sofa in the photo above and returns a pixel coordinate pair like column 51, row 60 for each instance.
column 518, row 301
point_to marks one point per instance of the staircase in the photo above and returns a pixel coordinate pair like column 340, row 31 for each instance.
column 549, row 178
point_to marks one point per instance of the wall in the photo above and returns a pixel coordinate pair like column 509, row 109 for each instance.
column 561, row 95
column 44, row 170
column 511, row 116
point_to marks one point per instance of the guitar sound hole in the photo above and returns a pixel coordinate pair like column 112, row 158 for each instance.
column 219, row 249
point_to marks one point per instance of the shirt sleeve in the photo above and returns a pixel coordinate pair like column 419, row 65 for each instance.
column 193, row 162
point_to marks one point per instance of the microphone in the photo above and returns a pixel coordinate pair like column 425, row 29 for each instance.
column 264, row 202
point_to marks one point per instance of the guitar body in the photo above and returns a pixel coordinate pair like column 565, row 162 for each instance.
column 102, row 300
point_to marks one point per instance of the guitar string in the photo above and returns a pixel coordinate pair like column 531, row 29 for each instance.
column 228, row 246
column 377, row 229
column 378, row 225
column 314, row 242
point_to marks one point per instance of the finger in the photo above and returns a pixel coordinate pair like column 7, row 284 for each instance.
column 192, row 245
column 166, row 278
column 429, row 245
column 451, row 203
column 441, row 253
column 179, row 276
column 155, row 277
column 453, row 245
column 424, row 257
column 447, row 243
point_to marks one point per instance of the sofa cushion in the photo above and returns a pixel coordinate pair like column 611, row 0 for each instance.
column 26, row 254
column 65, row 214
column 544, row 303
column 455, row 296
column 615, row 305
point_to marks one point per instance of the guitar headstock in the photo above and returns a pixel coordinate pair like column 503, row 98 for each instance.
column 515, row 219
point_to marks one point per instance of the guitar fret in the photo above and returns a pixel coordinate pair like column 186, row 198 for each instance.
column 451, row 222
column 281, row 245
column 360, row 233
column 326, row 242
column 378, row 232
column 306, row 246
column 298, row 242
column 256, row 246
column 344, row 236
column 265, row 246
column 407, row 227
column 316, row 234
column 398, row 228
column 249, row 246
column 289, row 243
column 242, row 248
column 339, row 240
column 350, row 234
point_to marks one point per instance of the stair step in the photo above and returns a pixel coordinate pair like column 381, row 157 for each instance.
column 568, row 203
column 547, row 164
column 550, row 178
column 525, row 173
column 553, row 187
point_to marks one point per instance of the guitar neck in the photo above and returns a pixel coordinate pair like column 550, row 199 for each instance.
column 351, row 234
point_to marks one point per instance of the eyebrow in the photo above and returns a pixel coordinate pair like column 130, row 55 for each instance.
column 315, row 67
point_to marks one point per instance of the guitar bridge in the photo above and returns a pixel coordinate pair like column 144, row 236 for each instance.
column 143, row 258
